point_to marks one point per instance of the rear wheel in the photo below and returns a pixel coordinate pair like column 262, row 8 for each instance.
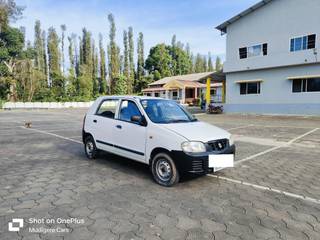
column 164, row 170
column 90, row 148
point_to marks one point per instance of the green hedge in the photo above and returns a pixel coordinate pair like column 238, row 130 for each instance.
column 1, row 103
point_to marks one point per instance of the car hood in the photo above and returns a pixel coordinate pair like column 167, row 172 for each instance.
column 198, row 131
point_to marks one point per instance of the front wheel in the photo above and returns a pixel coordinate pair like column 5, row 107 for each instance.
column 90, row 148
column 164, row 170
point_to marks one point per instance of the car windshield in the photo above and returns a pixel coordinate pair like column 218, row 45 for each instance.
column 166, row 111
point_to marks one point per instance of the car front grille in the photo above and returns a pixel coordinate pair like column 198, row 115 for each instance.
column 218, row 145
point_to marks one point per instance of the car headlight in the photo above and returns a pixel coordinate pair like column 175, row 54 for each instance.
column 231, row 140
column 193, row 147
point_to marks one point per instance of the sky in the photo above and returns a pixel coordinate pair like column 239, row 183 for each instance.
column 192, row 21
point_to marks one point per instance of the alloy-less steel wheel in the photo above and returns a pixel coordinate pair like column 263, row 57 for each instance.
column 90, row 148
column 164, row 170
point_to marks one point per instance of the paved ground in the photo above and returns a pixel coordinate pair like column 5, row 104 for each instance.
column 272, row 193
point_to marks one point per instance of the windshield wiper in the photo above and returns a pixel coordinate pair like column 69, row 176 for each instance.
column 178, row 121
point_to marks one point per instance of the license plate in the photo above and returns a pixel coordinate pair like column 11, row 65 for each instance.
column 220, row 161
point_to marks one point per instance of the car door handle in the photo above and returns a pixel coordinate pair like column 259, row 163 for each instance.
column 119, row 126
column 95, row 121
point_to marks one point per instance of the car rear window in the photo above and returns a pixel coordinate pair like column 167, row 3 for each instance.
column 108, row 108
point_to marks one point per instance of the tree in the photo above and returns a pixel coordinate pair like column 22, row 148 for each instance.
column 54, row 57
column 63, row 30
column 9, row 10
column 159, row 61
column 11, row 46
column 120, row 87
column 29, row 79
column 181, row 62
column 86, row 65
column 218, row 64
column 174, row 41
column 140, row 83
column 204, row 64
column 113, row 54
column 72, row 80
column 131, row 61
column 103, row 72
column 39, row 48
column 95, row 83
column 199, row 65
column 86, row 47
column 190, row 56
column 126, row 70
column 210, row 65
column 72, row 59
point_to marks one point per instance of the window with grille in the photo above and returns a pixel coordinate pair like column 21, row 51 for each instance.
column 303, row 43
column 253, row 51
column 306, row 85
column 250, row 88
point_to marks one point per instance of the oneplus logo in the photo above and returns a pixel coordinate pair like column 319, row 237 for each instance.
column 15, row 227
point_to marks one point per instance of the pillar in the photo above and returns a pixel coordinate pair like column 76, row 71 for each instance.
column 183, row 93
column 208, row 89
column 223, row 91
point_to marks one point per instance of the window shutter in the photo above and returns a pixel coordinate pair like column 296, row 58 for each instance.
column 243, row 88
column 243, row 52
column 265, row 49
column 311, row 41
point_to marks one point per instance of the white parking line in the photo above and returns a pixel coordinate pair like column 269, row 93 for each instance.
column 52, row 134
column 64, row 129
column 199, row 114
column 303, row 135
column 293, row 195
column 289, row 194
column 245, row 126
column 275, row 148
column 260, row 125
column 257, row 155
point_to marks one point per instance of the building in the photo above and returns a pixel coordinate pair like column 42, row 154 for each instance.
column 272, row 58
column 188, row 89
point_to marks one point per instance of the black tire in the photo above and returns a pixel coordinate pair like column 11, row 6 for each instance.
column 164, row 170
column 90, row 148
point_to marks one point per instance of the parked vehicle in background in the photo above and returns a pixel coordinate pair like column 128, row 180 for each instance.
column 212, row 108
column 157, row 132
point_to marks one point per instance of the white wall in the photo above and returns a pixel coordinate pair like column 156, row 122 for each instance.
column 275, row 24
column 46, row 105
column 275, row 88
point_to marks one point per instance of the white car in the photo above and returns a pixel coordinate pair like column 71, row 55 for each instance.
column 157, row 132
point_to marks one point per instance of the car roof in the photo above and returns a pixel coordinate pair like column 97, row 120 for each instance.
column 131, row 97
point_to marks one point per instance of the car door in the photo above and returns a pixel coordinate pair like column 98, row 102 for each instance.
column 103, row 123
column 129, row 136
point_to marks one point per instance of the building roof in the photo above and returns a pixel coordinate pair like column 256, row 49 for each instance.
column 223, row 26
column 194, row 77
column 187, row 77
column 180, row 84
column 155, row 89
column 175, row 84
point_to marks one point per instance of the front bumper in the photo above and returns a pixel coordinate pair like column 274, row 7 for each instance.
column 197, row 163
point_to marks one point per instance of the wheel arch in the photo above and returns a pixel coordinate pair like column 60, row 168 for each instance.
column 157, row 150
column 85, row 135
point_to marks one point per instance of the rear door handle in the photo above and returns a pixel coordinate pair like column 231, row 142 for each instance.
column 95, row 121
column 119, row 126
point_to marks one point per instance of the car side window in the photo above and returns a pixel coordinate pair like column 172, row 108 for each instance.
column 108, row 108
column 127, row 110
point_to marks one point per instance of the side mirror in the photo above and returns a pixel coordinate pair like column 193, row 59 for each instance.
column 141, row 120
column 136, row 119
